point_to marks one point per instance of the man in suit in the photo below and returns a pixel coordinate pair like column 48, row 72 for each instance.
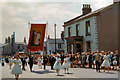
column 98, row 59
column 23, row 62
column 52, row 61
column 117, row 55
column 45, row 60
column 90, row 60
column 31, row 62
column 62, row 58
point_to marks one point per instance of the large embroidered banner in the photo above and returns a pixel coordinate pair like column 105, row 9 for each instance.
column 36, row 39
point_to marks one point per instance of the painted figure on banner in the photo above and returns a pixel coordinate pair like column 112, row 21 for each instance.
column 35, row 38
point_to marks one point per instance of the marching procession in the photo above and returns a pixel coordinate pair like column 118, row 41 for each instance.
column 57, row 46
column 95, row 60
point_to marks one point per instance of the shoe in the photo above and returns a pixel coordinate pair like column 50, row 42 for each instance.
column 67, row 72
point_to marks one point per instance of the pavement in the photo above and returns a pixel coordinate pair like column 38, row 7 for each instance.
column 74, row 73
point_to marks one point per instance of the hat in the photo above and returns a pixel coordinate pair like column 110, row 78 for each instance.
column 58, row 54
column 111, row 52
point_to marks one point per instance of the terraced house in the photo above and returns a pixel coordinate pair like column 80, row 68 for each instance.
column 92, row 31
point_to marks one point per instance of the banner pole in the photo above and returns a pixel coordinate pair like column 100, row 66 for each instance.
column 46, row 35
column 29, row 33
column 55, row 37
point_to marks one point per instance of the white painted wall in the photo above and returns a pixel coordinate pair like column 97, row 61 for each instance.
column 51, row 45
column 1, row 49
column 82, row 32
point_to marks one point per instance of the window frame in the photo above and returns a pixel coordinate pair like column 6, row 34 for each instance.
column 87, row 24
column 59, row 45
column 77, row 29
column 69, row 31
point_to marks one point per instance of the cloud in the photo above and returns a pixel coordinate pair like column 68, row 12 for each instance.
column 16, row 15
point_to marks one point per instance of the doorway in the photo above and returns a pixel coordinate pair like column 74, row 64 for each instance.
column 78, row 48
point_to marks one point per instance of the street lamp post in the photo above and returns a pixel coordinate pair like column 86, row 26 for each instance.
column 55, row 37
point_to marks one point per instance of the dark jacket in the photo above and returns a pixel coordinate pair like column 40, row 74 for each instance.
column 62, row 58
column 45, row 59
column 90, row 58
column 30, row 60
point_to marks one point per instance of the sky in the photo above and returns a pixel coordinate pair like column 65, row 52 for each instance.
column 15, row 16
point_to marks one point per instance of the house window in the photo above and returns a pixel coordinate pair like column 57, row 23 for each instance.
column 88, row 46
column 69, row 31
column 59, row 45
column 18, row 47
column 77, row 30
column 88, row 28
column 23, row 47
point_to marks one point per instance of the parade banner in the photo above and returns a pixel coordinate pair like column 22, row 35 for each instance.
column 36, row 39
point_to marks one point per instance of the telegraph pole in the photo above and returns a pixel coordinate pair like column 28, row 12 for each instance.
column 55, row 37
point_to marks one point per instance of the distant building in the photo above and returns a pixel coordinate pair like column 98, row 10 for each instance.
column 11, row 47
column 93, row 31
column 51, row 45
column 1, row 49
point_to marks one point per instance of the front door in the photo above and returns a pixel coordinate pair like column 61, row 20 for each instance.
column 78, row 48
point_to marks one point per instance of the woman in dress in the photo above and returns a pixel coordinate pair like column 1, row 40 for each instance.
column 10, row 61
column 106, row 63
column 40, row 62
column 57, row 65
column 115, row 62
column 87, row 59
column 66, row 64
column 27, row 60
column 17, row 67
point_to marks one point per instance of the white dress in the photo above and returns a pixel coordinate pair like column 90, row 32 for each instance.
column 66, row 63
column 57, row 64
column 87, row 59
column 10, row 61
column 106, row 62
column 40, row 62
column 27, row 60
column 17, row 69
column 3, row 60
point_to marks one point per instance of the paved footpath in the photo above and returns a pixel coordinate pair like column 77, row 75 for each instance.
column 74, row 73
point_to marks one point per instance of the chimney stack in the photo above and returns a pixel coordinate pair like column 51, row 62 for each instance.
column 48, row 36
column 25, row 40
column 86, row 9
